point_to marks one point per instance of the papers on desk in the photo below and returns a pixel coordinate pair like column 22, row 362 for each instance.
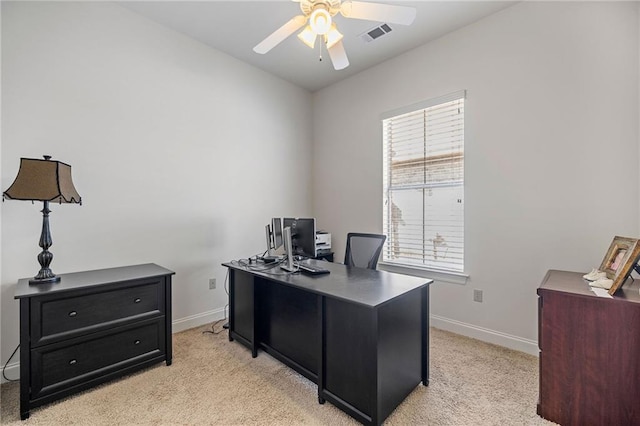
column 601, row 292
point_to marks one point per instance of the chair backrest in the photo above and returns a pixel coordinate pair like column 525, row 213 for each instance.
column 363, row 250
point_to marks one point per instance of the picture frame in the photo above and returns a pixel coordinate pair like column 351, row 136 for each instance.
column 621, row 257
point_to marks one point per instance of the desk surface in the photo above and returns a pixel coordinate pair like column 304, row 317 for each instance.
column 76, row 280
column 366, row 287
column 572, row 282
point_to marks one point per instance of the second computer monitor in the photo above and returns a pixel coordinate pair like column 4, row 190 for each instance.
column 276, row 229
column 303, row 235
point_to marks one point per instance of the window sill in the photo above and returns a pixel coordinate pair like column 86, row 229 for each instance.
column 445, row 276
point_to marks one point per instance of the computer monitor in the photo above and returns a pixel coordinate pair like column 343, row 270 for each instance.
column 270, row 250
column 276, row 229
column 303, row 235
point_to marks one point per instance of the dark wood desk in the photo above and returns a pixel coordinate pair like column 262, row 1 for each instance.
column 589, row 352
column 361, row 335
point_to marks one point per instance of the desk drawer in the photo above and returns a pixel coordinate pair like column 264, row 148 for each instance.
column 62, row 365
column 52, row 319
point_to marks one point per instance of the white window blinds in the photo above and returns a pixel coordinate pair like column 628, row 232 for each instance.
column 424, row 184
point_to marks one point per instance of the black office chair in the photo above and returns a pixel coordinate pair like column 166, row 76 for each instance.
column 363, row 250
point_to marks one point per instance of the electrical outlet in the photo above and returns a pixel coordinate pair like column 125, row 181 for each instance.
column 212, row 283
column 477, row 295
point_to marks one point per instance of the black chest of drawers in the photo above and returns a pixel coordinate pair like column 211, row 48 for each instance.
column 91, row 327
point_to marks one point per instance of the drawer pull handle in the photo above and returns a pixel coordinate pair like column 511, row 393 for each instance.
column 137, row 300
column 73, row 361
column 137, row 342
column 73, row 313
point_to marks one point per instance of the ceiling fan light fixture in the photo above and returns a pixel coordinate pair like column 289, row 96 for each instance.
column 320, row 21
column 308, row 37
column 316, row 20
column 333, row 36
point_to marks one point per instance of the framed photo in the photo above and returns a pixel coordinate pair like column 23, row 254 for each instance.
column 620, row 259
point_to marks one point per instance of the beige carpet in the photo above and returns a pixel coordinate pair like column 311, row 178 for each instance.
column 213, row 381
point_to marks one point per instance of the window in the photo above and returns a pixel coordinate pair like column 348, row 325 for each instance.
column 423, row 211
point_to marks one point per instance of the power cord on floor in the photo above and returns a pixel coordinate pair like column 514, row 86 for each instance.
column 213, row 328
column 225, row 326
column 7, row 363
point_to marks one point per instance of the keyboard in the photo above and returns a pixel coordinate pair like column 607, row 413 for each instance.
column 312, row 269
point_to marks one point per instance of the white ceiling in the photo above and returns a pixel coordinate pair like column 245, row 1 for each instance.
column 235, row 27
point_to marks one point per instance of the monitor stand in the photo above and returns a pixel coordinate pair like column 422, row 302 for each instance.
column 288, row 264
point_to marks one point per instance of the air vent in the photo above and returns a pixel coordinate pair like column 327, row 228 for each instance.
column 375, row 33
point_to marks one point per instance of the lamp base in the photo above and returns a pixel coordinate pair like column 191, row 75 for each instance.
column 46, row 280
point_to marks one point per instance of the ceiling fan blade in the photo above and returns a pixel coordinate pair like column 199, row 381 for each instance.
column 338, row 56
column 388, row 13
column 280, row 34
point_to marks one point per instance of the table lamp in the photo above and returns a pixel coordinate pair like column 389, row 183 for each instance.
column 43, row 180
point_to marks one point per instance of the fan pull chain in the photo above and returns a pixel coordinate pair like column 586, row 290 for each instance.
column 320, row 52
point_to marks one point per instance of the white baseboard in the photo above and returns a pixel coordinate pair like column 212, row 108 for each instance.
column 485, row 334
column 13, row 370
column 197, row 320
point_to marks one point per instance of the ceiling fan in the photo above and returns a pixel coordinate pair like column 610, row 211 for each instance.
column 317, row 20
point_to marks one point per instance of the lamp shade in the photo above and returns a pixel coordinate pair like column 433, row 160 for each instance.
column 43, row 180
column 308, row 37
column 320, row 21
column 333, row 36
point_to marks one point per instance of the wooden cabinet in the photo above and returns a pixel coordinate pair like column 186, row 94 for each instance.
column 589, row 352
column 89, row 328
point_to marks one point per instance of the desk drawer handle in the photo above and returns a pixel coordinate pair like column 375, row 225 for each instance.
column 137, row 300
column 73, row 313
column 73, row 361
column 137, row 342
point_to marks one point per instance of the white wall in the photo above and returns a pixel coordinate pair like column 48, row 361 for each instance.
column 1, row 298
column 170, row 144
column 170, row 140
column 551, row 151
